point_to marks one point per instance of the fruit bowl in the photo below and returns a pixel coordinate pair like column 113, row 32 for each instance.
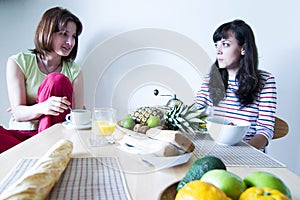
column 226, row 131
column 169, row 192
column 134, row 143
column 129, row 131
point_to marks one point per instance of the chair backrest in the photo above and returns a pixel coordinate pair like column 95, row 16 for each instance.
column 281, row 128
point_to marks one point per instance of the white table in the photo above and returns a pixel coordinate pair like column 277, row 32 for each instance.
column 141, row 185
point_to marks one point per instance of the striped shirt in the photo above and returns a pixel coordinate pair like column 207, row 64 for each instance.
column 261, row 113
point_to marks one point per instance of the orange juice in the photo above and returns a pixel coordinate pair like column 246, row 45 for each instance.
column 106, row 127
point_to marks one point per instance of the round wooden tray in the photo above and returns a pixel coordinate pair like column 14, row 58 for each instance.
column 170, row 192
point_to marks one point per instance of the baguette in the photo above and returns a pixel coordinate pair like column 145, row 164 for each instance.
column 41, row 178
column 176, row 138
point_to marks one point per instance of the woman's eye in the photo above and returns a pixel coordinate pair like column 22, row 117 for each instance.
column 62, row 33
column 225, row 44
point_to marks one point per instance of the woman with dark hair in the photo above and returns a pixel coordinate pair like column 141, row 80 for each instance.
column 44, row 83
column 236, row 88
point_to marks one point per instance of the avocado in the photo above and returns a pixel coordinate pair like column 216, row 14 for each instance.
column 200, row 167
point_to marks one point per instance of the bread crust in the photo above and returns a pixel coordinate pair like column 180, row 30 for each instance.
column 41, row 178
column 177, row 138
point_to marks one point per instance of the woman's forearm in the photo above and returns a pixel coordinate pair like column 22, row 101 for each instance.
column 258, row 141
column 54, row 106
column 24, row 113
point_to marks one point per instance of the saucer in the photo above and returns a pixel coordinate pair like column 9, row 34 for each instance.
column 69, row 125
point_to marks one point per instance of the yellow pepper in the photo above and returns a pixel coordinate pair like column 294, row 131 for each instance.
column 265, row 193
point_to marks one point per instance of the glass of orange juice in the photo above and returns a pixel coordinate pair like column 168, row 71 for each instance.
column 103, row 125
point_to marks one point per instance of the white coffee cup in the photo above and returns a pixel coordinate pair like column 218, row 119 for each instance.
column 79, row 117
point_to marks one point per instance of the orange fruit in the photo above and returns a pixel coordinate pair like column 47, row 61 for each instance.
column 199, row 190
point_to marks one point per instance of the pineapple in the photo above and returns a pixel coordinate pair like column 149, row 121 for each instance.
column 185, row 118
column 181, row 117
column 142, row 114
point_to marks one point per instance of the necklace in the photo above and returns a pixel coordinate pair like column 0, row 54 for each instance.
column 48, row 72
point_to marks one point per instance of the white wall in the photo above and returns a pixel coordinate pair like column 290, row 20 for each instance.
column 275, row 24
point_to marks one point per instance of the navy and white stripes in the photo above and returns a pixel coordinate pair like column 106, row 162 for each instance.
column 261, row 113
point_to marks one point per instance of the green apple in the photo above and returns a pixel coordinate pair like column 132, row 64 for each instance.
column 153, row 121
column 127, row 116
column 266, row 179
column 128, row 123
column 227, row 181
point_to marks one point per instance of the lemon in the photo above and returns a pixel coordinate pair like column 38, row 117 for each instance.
column 197, row 189
column 227, row 181
column 153, row 121
column 128, row 123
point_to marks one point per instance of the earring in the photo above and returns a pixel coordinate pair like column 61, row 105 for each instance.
column 243, row 52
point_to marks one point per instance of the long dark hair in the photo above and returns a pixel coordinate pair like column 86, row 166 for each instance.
column 248, row 76
column 54, row 20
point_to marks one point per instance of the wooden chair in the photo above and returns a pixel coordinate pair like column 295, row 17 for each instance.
column 281, row 128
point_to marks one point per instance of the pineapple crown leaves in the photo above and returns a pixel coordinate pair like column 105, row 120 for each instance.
column 186, row 118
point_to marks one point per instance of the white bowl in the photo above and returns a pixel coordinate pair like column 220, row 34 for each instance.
column 226, row 131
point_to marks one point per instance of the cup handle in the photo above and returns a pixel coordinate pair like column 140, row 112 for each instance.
column 68, row 117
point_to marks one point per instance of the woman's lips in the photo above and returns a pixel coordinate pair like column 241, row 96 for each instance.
column 220, row 59
column 66, row 48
